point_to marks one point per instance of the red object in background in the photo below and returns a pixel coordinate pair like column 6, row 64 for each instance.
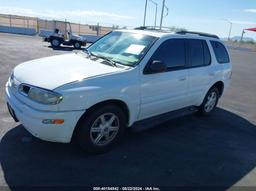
column 251, row 29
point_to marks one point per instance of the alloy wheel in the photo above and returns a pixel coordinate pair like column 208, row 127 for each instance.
column 211, row 102
column 104, row 129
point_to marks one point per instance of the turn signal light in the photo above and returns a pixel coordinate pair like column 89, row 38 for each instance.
column 53, row 121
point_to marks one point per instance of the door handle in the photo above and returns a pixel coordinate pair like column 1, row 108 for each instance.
column 211, row 74
column 182, row 79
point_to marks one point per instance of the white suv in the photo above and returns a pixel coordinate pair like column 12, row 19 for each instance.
column 125, row 77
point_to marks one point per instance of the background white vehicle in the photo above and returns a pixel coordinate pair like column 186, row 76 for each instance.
column 57, row 38
column 124, row 78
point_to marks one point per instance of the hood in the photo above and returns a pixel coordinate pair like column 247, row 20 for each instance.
column 76, row 37
column 52, row 72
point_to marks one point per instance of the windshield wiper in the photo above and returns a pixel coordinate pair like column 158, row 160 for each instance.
column 110, row 61
column 88, row 52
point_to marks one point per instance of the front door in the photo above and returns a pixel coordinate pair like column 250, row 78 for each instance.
column 168, row 90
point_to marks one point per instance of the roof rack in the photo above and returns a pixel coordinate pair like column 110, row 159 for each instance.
column 169, row 30
column 154, row 28
column 198, row 33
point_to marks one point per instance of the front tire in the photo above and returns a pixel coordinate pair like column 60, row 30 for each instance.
column 210, row 102
column 55, row 43
column 100, row 129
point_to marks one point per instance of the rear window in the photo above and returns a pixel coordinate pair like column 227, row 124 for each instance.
column 220, row 52
column 199, row 53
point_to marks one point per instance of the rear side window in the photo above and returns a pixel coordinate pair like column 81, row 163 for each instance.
column 220, row 52
column 172, row 53
column 199, row 53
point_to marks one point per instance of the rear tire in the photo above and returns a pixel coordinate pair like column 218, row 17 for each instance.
column 77, row 45
column 100, row 129
column 55, row 43
column 210, row 102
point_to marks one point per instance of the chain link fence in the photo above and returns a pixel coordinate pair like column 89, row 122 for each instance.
column 18, row 21
column 37, row 24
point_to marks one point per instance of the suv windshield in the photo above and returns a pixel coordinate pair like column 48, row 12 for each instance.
column 122, row 47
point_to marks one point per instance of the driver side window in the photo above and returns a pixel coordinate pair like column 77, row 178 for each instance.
column 172, row 53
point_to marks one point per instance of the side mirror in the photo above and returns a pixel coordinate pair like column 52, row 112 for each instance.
column 156, row 66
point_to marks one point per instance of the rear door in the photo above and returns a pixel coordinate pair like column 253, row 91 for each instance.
column 200, row 70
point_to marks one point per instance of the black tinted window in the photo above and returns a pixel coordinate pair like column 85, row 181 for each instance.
column 220, row 52
column 199, row 53
column 172, row 53
column 196, row 52
column 207, row 54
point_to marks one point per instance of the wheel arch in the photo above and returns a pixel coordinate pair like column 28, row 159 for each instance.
column 220, row 86
column 116, row 102
column 55, row 37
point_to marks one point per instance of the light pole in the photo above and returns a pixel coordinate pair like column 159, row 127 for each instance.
column 145, row 13
column 230, row 28
column 162, row 14
column 242, row 36
column 155, row 10
column 167, row 10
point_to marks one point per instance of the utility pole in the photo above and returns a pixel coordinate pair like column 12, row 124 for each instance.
column 145, row 13
column 156, row 14
column 155, row 10
column 230, row 29
column 242, row 36
column 162, row 14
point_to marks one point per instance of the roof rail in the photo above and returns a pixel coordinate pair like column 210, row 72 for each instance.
column 154, row 28
column 169, row 30
column 198, row 33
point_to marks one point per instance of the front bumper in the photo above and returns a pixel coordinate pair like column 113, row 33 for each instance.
column 31, row 119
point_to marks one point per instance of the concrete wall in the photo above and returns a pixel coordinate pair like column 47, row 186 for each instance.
column 18, row 30
column 32, row 25
column 45, row 33
column 42, row 33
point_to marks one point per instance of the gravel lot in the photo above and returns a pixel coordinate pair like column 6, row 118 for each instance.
column 219, row 150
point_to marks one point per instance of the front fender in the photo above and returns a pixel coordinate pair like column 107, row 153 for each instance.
column 87, row 93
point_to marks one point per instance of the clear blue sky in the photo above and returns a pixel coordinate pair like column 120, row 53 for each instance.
column 199, row 15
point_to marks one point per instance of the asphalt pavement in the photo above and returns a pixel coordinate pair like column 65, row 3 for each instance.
column 190, row 151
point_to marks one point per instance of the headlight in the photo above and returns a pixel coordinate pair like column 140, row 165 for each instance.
column 41, row 95
column 11, row 78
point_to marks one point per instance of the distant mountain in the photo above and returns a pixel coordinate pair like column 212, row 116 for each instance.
column 237, row 38
column 246, row 39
